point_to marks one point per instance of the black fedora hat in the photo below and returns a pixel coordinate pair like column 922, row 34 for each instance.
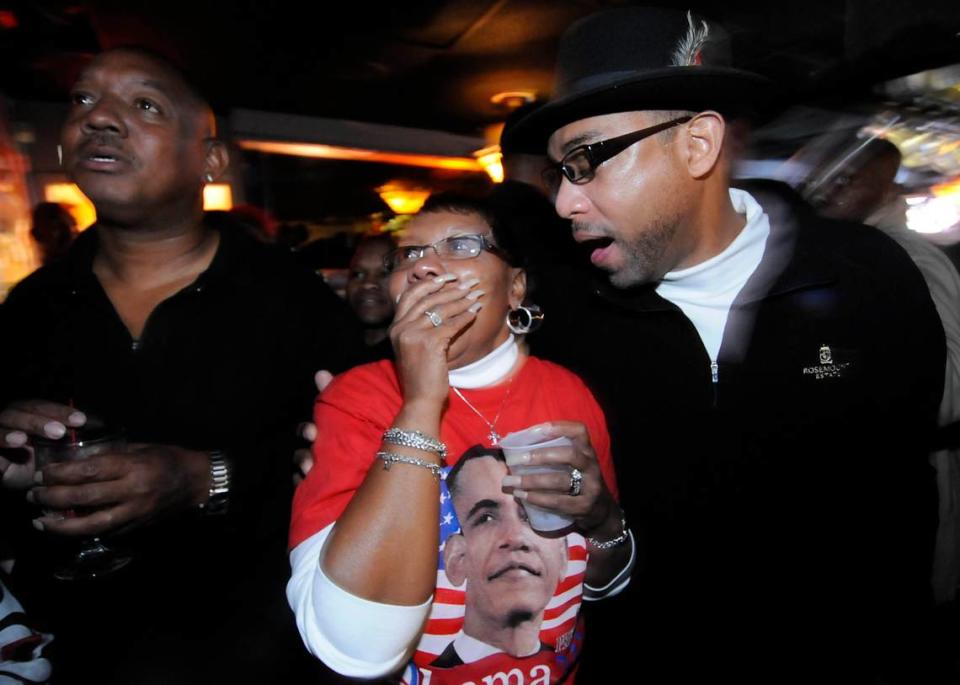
column 641, row 58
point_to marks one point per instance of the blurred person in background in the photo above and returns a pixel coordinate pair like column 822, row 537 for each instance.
column 53, row 230
column 257, row 221
column 367, row 294
column 861, row 187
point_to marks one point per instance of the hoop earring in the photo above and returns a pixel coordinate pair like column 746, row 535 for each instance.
column 523, row 320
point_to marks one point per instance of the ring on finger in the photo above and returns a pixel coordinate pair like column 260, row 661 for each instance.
column 435, row 318
column 576, row 482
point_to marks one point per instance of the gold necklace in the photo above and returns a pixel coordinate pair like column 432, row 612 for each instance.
column 493, row 436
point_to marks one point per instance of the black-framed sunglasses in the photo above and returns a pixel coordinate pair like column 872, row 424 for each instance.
column 580, row 164
column 467, row 246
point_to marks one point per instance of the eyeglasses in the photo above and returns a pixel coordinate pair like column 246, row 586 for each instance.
column 455, row 247
column 580, row 164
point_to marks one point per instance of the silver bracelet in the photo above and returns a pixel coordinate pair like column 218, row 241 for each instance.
column 416, row 440
column 391, row 458
column 219, row 493
column 619, row 540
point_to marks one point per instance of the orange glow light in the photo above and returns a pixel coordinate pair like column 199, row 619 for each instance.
column 217, row 196
column 356, row 154
column 70, row 196
column 490, row 159
column 950, row 189
column 512, row 99
column 403, row 200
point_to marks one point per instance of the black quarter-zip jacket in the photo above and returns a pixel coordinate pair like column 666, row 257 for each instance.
column 782, row 497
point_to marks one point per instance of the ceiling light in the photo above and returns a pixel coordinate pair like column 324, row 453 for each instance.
column 491, row 160
column 403, row 200
column 318, row 151
column 512, row 99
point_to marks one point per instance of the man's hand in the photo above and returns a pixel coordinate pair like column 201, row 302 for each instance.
column 116, row 492
column 23, row 419
column 303, row 457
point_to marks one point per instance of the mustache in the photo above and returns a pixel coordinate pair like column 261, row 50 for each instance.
column 591, row 229
column 100, row 140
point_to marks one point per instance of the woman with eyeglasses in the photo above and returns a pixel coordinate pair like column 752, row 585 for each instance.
column 394, row 573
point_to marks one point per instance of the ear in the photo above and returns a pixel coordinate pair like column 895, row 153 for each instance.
column 454, row 559
column 217, row 158
column 518, row 288
column 704, row 142
column 893, row 191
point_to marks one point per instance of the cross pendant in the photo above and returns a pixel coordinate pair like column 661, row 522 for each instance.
column 494, row 437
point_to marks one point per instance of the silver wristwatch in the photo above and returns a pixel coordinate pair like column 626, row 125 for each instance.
column 219, row 496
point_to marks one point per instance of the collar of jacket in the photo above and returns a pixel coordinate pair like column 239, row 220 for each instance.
column 796, row 257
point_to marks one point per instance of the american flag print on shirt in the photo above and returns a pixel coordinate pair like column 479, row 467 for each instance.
column 560, row 631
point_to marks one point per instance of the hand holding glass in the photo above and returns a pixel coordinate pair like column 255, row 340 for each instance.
column 94, row 559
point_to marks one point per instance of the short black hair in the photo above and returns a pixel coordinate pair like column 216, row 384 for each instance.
column 475, row 452
column 493, row 214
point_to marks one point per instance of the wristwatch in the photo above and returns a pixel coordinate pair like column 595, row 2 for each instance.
column 219, row 496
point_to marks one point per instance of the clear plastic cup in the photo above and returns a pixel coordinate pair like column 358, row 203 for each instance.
column 519, row 443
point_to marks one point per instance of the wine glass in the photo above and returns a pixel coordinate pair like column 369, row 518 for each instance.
column 94, row 558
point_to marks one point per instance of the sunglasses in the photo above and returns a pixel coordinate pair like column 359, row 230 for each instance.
column 579, row 166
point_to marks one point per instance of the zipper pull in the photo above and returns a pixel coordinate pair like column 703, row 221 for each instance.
column 714, row 372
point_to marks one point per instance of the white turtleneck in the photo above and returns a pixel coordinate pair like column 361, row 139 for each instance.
column 706, row 291
column 489, row 369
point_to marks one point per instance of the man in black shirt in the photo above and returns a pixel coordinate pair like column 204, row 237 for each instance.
column 197, row 343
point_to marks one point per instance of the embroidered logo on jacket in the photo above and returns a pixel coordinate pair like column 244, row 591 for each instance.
column 827, row 368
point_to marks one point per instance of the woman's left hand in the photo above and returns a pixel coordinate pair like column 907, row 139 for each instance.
column 593, row 505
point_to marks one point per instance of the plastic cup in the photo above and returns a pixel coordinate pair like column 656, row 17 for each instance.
column 519, row 443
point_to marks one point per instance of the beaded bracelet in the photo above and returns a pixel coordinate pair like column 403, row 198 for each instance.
column 391, row 458
column 416, row 440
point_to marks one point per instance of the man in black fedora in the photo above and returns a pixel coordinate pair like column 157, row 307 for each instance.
column 770, row 377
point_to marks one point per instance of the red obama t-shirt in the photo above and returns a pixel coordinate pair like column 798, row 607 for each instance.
column 351, row 416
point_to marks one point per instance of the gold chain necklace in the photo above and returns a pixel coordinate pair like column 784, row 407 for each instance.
column 493, row 436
